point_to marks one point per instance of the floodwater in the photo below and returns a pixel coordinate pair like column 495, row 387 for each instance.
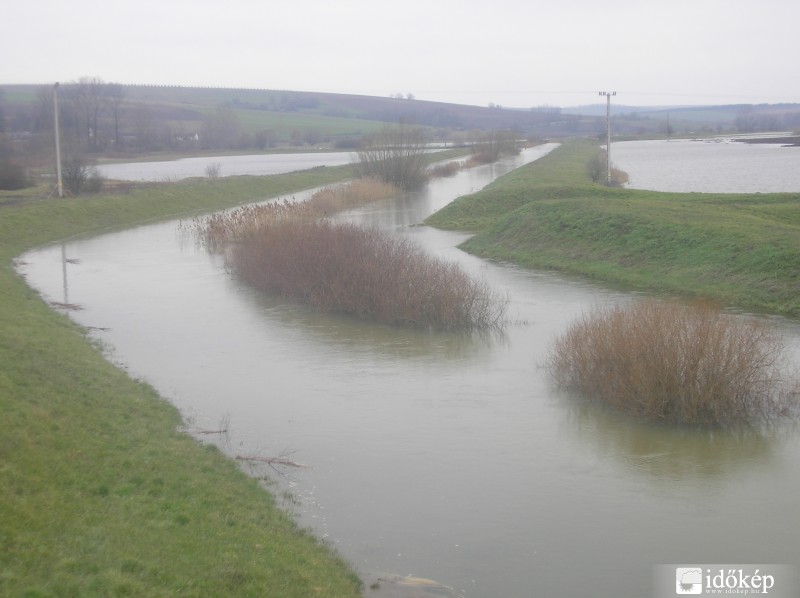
column 257, row 164
column 450, row 457
column 717, row 165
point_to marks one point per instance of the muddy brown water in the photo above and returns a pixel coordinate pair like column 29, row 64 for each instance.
column 439, row 456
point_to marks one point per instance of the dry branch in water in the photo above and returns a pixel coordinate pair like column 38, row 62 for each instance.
column 270, row 460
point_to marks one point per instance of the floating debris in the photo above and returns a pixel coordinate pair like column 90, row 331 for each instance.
column 427, row 587
column 66, row 306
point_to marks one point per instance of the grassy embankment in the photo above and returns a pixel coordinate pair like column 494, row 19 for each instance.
column 100, row 494
column 739, row 250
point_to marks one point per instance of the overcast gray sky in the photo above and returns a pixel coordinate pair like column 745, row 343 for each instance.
column 516, row 53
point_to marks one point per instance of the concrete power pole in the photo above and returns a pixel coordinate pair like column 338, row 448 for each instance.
column 608, row 95
column 58, row 142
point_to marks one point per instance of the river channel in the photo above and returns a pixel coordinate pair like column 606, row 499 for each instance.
column 443, row 456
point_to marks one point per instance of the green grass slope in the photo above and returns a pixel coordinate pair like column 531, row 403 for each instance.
column 741, row 250
column 100, row 494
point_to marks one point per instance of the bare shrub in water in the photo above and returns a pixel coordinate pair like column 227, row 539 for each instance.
column 397, row 155
column 220, row 229
column 446, row 169
column 676, row 363
column 345, row 268
column 351, row 195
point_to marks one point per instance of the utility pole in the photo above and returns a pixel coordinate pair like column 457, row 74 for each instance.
column 58, row 143
column 669, row 128
column 608, row 95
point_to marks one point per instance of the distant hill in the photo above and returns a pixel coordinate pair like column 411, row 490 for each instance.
column 112, row 118
column 372, row 108
column 283, row 115
column 741, row 118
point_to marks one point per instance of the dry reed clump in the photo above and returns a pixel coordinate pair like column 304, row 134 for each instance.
column 351, row 195
column 446, row 169
column 675, row 363
column 365, row 272
column 218, row 230
column 288, row 248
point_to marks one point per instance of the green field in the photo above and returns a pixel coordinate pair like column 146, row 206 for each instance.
column 741, row 250
column 284, row 124
column 100, row 493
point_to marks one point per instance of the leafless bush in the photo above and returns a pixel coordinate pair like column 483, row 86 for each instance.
column 213, row 170
column 597, row 168
column 222, row 228
column 371, row 274
column 350, row 195
column 288, row 248
column 446, row 169
column 676, row 363
column 490, row 147
column 397, row 155
column 80, row 176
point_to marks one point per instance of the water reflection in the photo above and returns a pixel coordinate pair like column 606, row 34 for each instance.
column 670, row 454
column 353, row 338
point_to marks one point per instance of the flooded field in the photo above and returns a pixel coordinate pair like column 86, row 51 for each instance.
column 257, row 164
column 450, row 457
column 708, row 166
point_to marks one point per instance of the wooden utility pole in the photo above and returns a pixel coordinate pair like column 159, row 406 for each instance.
column 58, row 142
column 608, row 95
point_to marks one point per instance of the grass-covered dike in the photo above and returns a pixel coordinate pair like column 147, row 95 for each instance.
column 655, row 360
column 740, row 250
column 100, row 493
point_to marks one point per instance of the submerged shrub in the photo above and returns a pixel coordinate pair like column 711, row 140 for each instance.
column 397, row 155
column 365, row 272
column 675, row 363
column 490, row 147
column 288, row 248
column 350, row 195
column 223, row 228
column 446, row 169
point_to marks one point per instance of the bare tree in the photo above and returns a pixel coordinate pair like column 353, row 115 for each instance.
column 115, row 94
column 489, row 147
column 396, row 155
column 144, row 126
column 221, row 128
column 80, row 175
column 94, row 102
